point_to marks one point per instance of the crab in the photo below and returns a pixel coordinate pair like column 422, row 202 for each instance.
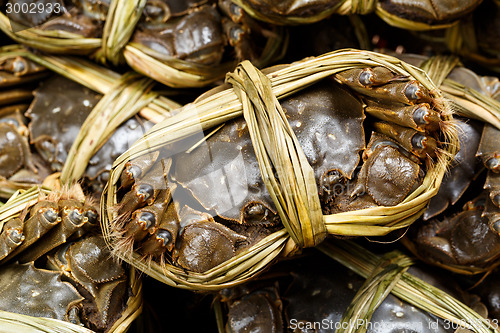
column 19, row 168
column 102, row 281
column 256, row 309
column 62, row 266
column 79, row 283
column 200, row 32
column 203, row 33
column 199, row 208
column 307, row 295
column 293, row 11
column 56, row 114
column 470, row 237
column 486, row 24
column 320, row 292
column 430, row 11
column 465, row 168
column 46, row 225
column 490, row 294
column 461, row 228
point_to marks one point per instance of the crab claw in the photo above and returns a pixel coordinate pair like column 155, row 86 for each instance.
column 206, row 244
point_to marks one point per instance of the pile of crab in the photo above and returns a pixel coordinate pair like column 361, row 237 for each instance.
column 197, row 41
column 349, row 144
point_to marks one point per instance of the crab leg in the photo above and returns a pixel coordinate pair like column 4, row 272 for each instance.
column 419, row 117
column 146, row 220
column 44, row 216
column 165, row 234
column 413, row 141
column 137, row 168
column 367, row 77
column 20, row 66
column 385, row 86
column 11, row 237
column 145, row 190
column 72, row 219
column 488, row 148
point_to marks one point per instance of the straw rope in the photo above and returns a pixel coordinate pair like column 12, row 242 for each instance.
column 19, row 201
column 119, row 27
column 300, row 214
column 130, row 94
column 18, row 323
column 465, row 101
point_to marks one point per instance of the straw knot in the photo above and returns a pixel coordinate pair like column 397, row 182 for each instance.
column 120, row 24
column 362, row 7
column 294, row 192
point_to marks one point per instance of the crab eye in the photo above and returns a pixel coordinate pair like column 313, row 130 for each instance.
column 147, row 219
column 164, row 236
